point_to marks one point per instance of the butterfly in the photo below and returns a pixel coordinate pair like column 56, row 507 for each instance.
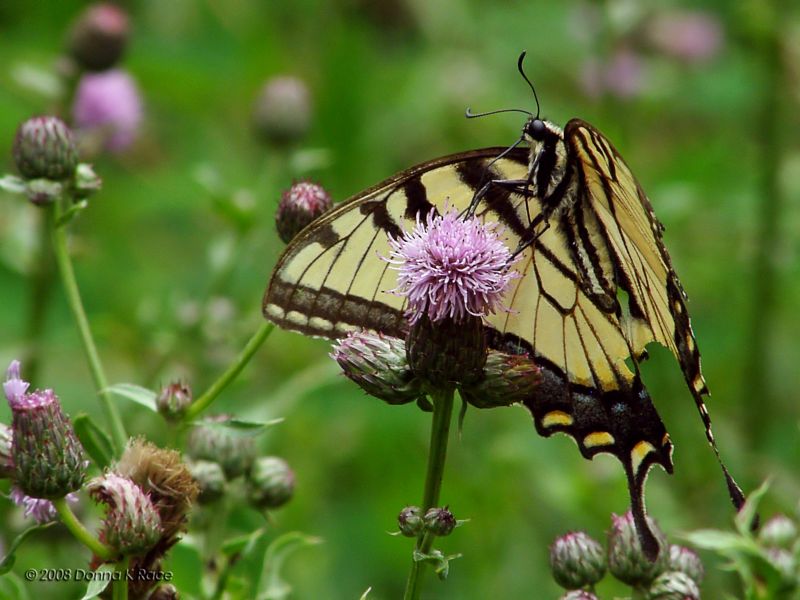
column 597, row 284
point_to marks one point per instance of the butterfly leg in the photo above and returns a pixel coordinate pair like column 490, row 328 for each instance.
column 517, row 186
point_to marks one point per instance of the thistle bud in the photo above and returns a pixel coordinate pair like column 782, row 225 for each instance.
column 577, row 560
column 447, row 351
column 378, row 364
column 410, row 521
column 211, row 440
column 210, row 478
column 579, row 595
column 132, row 525
column 270, row 482
column 507, row 379
column 282, row 112
column 98, row 37
column 48, row 459
column 440, row 521
column 6, row 442
column 673, row 585
column 173, row 400
column 44, row 148
column 779, row 532
column 300, row 205
column 686, row 561
column 626, row 558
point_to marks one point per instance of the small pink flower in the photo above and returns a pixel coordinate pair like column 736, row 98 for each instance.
column 451, row 267
column 621, row 75
column 42, row 510
column 692, row 36
column 110, row 101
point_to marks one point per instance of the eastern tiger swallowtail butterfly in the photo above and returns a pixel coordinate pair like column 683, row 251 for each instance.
column 597, row 283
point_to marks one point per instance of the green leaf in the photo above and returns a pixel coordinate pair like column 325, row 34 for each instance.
column 440, row 562
column 242, row 544
column 12, row 184
column 271, row 585
column 100, row 581
column 241, row 426
column 746, row 517
column 10, row 558
column 94, row 440
column 136, row 393
column 13, row 587
column 713, row 539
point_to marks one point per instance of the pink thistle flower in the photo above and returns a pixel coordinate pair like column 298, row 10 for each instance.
column 109, row 101
column 46, row 455
column 450, row 267
column 691, row 36
column 40, row 509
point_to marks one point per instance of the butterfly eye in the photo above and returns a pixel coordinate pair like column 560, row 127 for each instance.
column 537, row 129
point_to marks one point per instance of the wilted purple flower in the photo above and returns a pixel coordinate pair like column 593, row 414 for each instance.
column 451, row 267
column 692, row 36
column 38, row 508
column 110, row 102
column 48, row 459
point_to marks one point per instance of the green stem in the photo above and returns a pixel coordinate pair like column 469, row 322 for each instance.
column 120, row 589
column 769, row 239
column 67, row 273
column 41, row 282
column 204, row 401
column 437, row 454
column 80, row 532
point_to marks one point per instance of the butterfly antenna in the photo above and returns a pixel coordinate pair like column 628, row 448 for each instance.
column 471, row 115
column 525, row 77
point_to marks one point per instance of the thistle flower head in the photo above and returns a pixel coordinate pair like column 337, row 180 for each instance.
column 439, row 521
column 173, row 400
column 299, row 205
column 40, row 509
column 282, row 112
column 577, row 560
column 211, row 440
column 109, row 104
column 132, row 525
column 626, row 558
column 378, row 364
column 508, row 378
column 47, row 458
column 779, row 532
column 686, row 561
column 210, row 479
column 410, row 521
column 270, row 483
column 44, row 148
column 673, row 585
column 98, row 37
column 451, row 268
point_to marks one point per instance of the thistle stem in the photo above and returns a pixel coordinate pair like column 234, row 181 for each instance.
column 204, row 401
column 437, row 454
column 120, row 589
column 67, row 273
column 41, row 282
column 80, row 532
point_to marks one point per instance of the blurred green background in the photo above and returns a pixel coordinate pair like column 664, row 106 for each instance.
column 173, row 284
